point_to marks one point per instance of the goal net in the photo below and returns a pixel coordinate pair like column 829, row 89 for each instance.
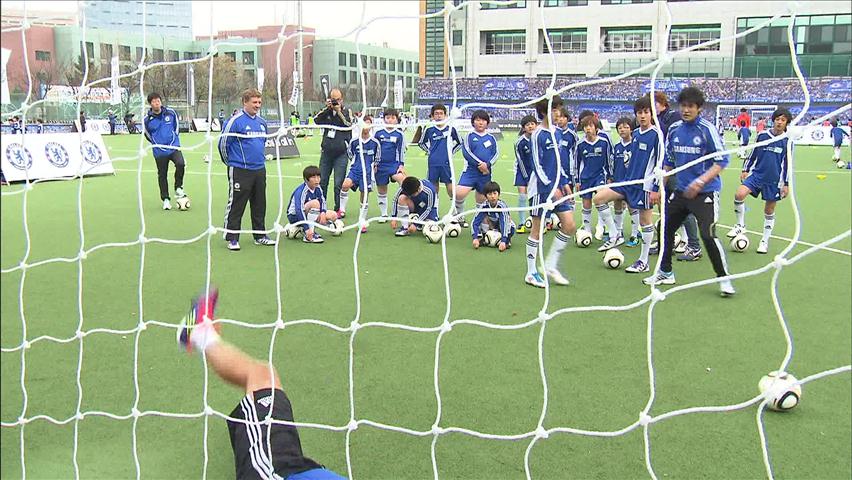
column 339, row 369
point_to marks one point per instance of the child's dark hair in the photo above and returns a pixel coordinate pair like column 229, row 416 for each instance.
column 152, row 96
column 392, row 112
column 743, row 109
column 564, row 112
column 742, row 123
column 491, row 187
column 833, row 122
column 410, row 185
column 310, row 171
column 783, row 112
column 586, row 113
column 436, row 107
column 526, row 121
column 642, row 103
column 481, row 114
column 589, row 120
column 368, row 118
column 691, row 95
column 625, row 120
column 542, row 106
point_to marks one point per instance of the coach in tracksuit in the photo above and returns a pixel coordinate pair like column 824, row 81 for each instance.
column 241, row 147
column 161, row 129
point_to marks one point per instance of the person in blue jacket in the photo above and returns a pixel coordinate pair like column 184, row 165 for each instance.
column 161, row 129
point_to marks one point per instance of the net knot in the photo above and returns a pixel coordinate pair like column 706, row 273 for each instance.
column 780, row 262
column 142, row 325
column 279, row 324
column 795, row 132
column 26, row 344
column 352, row 426
column 79, row 335
column 446, row 327
column 135, row 413
column 211, row 230
column 544, row 316
column 23, row 420
column 208, row 410
column 644, row 419
column 550, row 92
column 83, row 255
column 142, row 238
column 657, row 295
column 666, row 58
column 355, row 326
column 455, row 113
column 80, row 416
column 23, row 265
column 436, row 430
column 278, row 228
column 540, row 432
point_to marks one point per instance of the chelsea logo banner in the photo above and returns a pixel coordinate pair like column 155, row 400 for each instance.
column 53, row 155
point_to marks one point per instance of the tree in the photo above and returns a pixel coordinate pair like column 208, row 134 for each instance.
column 167, row 80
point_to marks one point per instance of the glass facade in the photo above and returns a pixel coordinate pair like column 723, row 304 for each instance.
column 434, row 32
column 171, row 19
column 505, row 42
column 626, row 39
column 685, row 36
column 563, row 40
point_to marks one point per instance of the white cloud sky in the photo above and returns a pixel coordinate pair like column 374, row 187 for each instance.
column 329, row 18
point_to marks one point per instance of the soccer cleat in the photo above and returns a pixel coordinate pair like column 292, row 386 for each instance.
column 690, row 255
column 167, row 205
column 737, row 230
column 383, row 219
column 681, row 247
column 763, row 247
column 364, row 229
column 726, row 289
column 638, row 267
column 463, row 223
column 316, row 238
column 535, row 279
column 199, row 319
column 632, row 241
column 179, row 193
column 557, row 277
column 233, row 245
column 521, row 229
column 264, row 240
column 660, row 278
column 611, row 243
column 654, row 249
column 402, row 232
column 599, row 232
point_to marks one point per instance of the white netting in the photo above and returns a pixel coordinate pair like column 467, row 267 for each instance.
column 643, row 419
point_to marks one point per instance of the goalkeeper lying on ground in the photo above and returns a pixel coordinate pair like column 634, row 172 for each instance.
column 260, row 452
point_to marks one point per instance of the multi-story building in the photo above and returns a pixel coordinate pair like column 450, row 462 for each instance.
column 381, row 65
column 610, row 37
column 172, row 19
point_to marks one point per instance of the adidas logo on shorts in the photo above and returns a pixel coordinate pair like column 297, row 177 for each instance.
column 265, row 401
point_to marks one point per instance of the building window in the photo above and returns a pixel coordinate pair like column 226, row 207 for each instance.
column 372, row 63
column 382, row 79
column 493, row 6
column 505, row 42
column 232, row 56
column 341, row 77
column 407, row 82
column 124, row 53
column 417, row 67
column 623, row 2
column 364, row 61
column 174, row 55
column 458, row 69
column 106, row 51
column 248, row 58
column 408, row 66
column 353, row 60
column 563, row 40
column 457, row 38
column 42, row 56
column 139, row 53
column 158, row 55
column 341, row 59
column 563, row 3
column 383, row 64
column 353, row 78
column 685, row 36
column 90, row 50
column 392, row 65
column 626, row 39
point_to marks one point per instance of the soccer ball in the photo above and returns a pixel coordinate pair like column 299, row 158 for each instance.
column 548, row 224
column 781, row 390
column 415, row 219
column 337, row 227
column 677, row 240
column 528, row 223
column 453, row 230
column 492, row 238
column 739, row 243
column 583, row 238
column 268, row 157
column 841, row 164
column 292, row 231
column 183, row 203
column 613, row 258
column 433, row 232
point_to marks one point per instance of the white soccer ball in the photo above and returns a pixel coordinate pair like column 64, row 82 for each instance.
column 528, row 223
column 292, row 231
column 492, row 238
column 433, row 232
column 781, row 390
column 183, row 203
column 453, row 230
column 677, row 240
column 337, row 227
column 582, row 238
column 841, row 164
column 739, row 243
column 414, row 219
column 613, row 258
column 268, row 157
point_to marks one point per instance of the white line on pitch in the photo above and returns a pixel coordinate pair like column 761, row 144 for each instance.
column 760, row 234
column 187, row 172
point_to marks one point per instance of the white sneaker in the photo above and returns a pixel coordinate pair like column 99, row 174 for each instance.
column 737, row 230
column 535, row 279
column 611, row 243
column 557, row 277
column 726, row 289
column 599, row 232
column 660, row 278
column 167, row 205
column 763, row 247
column 179, row 193
column 383, row 219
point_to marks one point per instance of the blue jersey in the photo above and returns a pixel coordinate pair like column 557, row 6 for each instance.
column 620, row 160
column 302, row 195
column 479, row 148
column 433, row 141
column 768, row 163
column 372, row 153
column 644, row 153
column 594, row 159
column 546, row 168
column 501, row 219
column 247, row 150
column 745, row 134
column 425, row 202
column 393, row 146
column 162, row 129
column 837, row 134
column 688, row 141
column 523, row 156
column 567, row 144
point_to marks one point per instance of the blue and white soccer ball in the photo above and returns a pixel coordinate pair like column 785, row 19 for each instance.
column 739, row 243
column 613, row 258
column 780, row 390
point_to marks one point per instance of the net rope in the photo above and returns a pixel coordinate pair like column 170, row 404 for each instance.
column 644, row 420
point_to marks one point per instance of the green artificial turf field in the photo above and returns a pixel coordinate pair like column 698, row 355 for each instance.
column 706, row 350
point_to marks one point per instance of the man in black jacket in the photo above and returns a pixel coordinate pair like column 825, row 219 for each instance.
column 334, row 144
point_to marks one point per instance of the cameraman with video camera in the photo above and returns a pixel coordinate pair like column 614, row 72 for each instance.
column 334, row 144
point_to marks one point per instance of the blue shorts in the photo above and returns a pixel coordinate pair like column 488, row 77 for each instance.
column 769, row 191
column 591, row 183
column 635, row 196
column 474, row 180
column 542, row 197
column 521, row 180
column 433, row 214
column 305, row 226
column 439, row 174
column 385, row 172
column 358, row 177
